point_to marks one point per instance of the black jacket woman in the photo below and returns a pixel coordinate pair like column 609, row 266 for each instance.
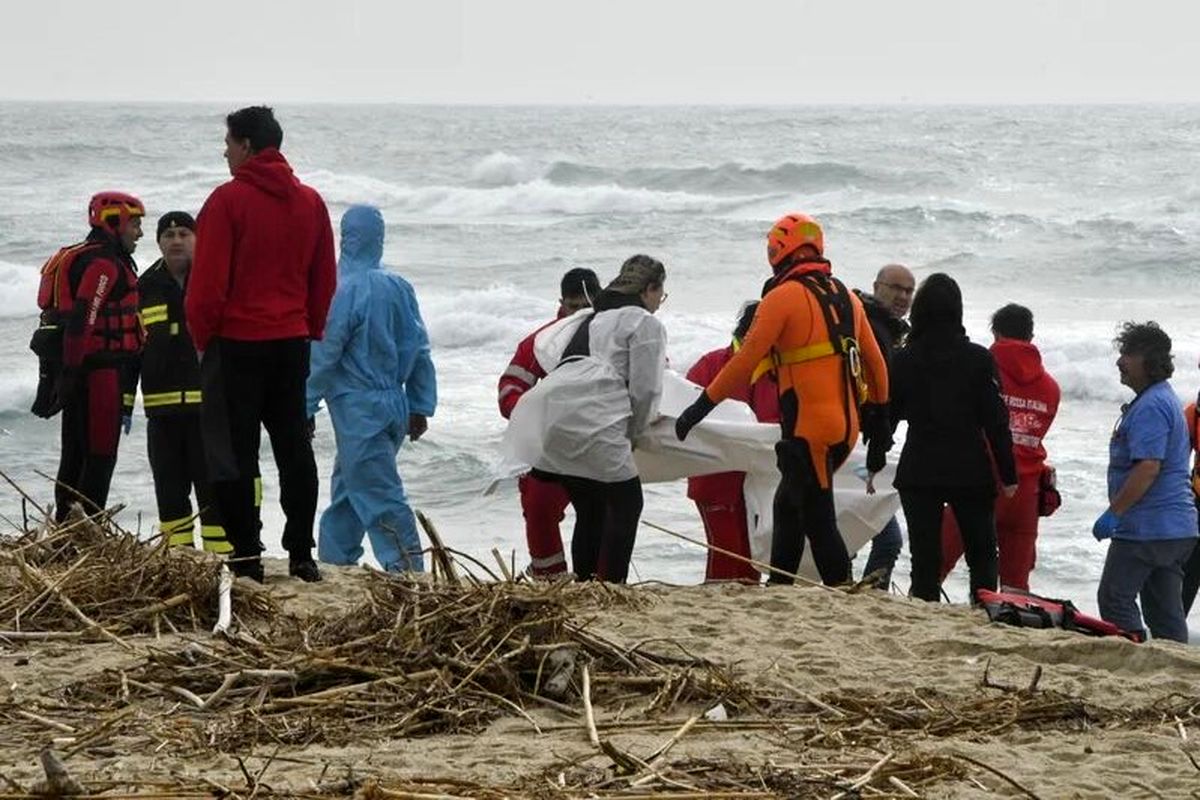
column 958, row 441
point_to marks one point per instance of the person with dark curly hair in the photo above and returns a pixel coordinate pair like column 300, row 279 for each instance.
column 1150, row 516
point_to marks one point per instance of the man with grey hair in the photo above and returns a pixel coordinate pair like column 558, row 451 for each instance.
column 886, row 308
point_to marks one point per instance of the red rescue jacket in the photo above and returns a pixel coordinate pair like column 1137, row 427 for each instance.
column 763, row 399
column 101, row 318
column 1032, row 398
column 522, row 372
column 264, row 266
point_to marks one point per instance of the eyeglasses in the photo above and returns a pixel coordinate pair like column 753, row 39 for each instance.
column 896, row 287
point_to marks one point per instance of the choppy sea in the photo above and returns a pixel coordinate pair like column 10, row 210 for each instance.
column 1089, row 215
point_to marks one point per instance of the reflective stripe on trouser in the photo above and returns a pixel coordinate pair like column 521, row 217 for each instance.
column 542, row 505
column 214, row 539
column 213, row 536
column 176, row 454
column 178, row 532
column 368, row 497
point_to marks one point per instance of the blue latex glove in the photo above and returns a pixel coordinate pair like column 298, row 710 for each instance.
column 127, row 423
column 1105, row 526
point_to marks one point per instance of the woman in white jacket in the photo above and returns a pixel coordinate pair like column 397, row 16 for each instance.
column 603, row 395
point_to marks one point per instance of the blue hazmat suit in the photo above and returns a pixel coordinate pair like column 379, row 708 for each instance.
column 373, row 370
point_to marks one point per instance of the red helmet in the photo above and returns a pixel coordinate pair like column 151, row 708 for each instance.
column 790, row 233
column 113, row 210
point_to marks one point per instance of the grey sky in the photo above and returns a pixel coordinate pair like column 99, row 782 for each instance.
column 610, row 51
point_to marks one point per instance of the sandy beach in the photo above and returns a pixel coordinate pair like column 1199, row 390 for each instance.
column 827, row 694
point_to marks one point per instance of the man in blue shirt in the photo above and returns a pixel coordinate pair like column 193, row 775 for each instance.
column 1150, row 517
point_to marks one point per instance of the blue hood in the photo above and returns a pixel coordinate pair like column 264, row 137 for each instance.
column 362, row 240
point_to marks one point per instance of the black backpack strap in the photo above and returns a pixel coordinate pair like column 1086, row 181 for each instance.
column 838, row 313
column 580, row 344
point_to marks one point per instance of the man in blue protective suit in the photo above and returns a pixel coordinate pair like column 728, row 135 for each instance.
column 374, row 371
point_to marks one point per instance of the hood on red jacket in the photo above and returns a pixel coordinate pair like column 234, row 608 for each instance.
column 268, row 170
column 1018, row 361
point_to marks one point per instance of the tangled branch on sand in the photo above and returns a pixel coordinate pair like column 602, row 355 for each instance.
column 687, row 779
column 416, row 657
column 91, row 579
column 420, row 656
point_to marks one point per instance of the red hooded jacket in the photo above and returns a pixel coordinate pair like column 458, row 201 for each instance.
column 763, row 399
column 1032, row 398
column 264, row 266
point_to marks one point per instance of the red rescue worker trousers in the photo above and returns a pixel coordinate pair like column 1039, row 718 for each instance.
column 722, row 508
column 1016, row 535
column 725, row 526
column 543, row 504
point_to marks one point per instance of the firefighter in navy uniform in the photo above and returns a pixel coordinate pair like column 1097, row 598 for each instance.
column 89, row 326
column 170, row 376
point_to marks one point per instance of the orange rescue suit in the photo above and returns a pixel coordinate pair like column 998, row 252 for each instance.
column 817, row 401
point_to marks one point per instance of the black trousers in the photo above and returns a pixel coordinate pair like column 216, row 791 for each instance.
column 248, row 386
column 175, row 446
column 91, row 431
column 975, row 511
column 807, row 512
column 803, row 509
column 1191, row 580
column 606, row 522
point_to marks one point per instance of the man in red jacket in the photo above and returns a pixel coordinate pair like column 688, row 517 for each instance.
column 262, row 279
column 543, row 502
column 1032, row 397
column 719, row 497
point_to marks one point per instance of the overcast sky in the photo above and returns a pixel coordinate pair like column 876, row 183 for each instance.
column 604, row 51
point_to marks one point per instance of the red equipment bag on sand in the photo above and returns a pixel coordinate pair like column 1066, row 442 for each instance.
column 1031, row 611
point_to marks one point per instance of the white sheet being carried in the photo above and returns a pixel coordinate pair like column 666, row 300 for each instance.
column 729, row 439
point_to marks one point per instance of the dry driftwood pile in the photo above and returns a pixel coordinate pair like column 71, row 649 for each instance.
column 90, row 579
column 421, row 656
column 415, row 658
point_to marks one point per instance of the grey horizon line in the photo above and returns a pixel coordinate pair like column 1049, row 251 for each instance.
column 900, row 103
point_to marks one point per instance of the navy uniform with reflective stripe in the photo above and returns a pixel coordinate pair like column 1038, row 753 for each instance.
column 170, row 378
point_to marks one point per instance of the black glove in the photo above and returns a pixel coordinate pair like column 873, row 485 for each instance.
column 692, row 415
column 877, row 433
column 64, row 390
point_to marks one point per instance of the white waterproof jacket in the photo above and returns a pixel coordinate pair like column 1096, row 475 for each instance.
column 582, row 418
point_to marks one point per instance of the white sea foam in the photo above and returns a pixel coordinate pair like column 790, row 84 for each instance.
column 537, row 197
column 503, row 169
column 18, row 290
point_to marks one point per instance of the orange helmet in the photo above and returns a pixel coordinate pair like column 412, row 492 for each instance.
column 790, row 233
column 106, row 207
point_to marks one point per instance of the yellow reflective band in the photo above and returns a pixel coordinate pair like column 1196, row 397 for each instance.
column 174, row 328
column 258, row 492
column 802, row 354
column 764, row 366
column 791, row 357
column 176, row 525
column 156, row 399
column 152, row 314
column 214, row 539
column 127, row 399
column 181, row 539
column 161, row 399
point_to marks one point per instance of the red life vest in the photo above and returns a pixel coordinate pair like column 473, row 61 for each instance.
column 116, row 332
column 1030, row 611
